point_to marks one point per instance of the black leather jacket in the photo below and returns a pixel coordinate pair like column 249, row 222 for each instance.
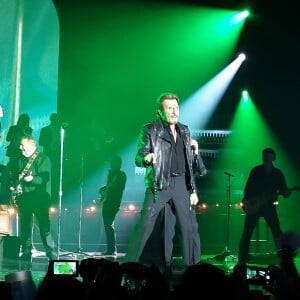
column 155, row 138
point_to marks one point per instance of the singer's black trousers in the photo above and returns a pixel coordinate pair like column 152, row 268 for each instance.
column 166, row 207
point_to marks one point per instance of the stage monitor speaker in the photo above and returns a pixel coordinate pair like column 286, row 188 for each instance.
column 9, row 252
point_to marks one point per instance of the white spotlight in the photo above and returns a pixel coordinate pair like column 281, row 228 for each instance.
column 242, row 57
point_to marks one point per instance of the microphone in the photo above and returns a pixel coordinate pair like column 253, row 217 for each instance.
column 64, row 125
column 229, row 174
column 193, row 148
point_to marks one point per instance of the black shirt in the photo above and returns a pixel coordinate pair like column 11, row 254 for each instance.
column 178, row 154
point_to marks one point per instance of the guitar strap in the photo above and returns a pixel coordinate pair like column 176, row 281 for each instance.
column 28, row 165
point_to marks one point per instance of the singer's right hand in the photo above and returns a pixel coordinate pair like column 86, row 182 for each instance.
column 194, row 199
column 150, row 158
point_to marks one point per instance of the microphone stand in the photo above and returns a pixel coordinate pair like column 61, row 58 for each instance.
column 226, row 252
column 81, row 207
column 60, row 193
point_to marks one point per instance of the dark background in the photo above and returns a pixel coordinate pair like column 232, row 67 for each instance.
column 270, row 39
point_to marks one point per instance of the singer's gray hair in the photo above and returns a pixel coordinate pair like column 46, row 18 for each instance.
column 164, row 96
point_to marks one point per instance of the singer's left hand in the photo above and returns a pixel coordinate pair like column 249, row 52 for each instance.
column 194, row 144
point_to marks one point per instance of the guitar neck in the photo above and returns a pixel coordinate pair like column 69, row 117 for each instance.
column 295, row 188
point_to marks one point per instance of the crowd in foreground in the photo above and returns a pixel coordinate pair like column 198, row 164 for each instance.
column 106, row 279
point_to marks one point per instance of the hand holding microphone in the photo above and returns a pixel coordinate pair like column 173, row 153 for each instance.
column 194, row 147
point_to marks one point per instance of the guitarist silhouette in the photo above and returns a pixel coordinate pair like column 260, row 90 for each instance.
column 264, row 184
column 111, row 197
column 33, row 177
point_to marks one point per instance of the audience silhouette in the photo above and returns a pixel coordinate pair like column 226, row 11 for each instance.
column 214, row 283
column 59, row 287
column 109, row 279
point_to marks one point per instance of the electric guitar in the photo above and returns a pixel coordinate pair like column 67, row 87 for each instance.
column 15, row 192
column 255, row 204
column 102, row 193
